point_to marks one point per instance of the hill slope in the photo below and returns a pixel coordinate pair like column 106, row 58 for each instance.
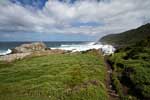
column 129, row 37
column 132, row 69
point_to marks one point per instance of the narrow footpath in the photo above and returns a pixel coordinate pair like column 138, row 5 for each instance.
column 112, row 93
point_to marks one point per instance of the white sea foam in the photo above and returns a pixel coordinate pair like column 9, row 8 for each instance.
column 106, row 49
column 5, row 52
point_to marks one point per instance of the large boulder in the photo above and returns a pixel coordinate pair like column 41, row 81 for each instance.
column 25, row 48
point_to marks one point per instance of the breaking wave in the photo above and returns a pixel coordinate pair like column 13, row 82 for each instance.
column 106, row 49
column 5, row 52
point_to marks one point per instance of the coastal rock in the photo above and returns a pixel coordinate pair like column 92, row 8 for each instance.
column 30, row 50
column 25, row 48
column 13, row 57
column 19, row 56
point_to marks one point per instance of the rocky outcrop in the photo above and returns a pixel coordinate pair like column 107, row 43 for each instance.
column 23, row 51
column 30, row 50
column 13, row 57
column 25, row 48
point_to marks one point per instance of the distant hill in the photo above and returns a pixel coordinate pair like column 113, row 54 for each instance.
column 127, row 38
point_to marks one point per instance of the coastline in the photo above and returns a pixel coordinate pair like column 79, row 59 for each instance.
column 73, row 47
column 39, row 49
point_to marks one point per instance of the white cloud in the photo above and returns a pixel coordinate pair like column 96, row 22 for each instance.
column 57, row 17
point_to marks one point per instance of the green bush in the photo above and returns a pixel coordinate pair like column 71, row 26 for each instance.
column 116, row 84
column 132, row 68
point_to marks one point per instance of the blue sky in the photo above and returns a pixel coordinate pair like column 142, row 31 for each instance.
column 35, row 3
column 69, row 20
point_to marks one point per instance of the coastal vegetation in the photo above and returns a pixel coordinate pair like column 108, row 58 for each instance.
column 72, row 76
column 131, row 71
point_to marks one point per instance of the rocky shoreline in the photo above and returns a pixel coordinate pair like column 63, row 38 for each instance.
column 30, row 50
column 40, row 49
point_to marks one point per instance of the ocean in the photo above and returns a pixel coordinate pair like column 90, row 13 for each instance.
column 5, row 47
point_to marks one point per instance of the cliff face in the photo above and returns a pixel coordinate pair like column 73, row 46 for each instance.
column 129, row 37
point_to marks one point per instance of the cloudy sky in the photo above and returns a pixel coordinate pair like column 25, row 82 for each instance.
column 69, row 20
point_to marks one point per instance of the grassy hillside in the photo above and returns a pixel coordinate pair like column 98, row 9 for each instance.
column 54, row 77
column 128, row 37
column 131, row 74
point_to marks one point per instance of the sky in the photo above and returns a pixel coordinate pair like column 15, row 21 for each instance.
column 69, row 20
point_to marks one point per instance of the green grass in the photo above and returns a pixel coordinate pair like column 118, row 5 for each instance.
column 54, row 77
